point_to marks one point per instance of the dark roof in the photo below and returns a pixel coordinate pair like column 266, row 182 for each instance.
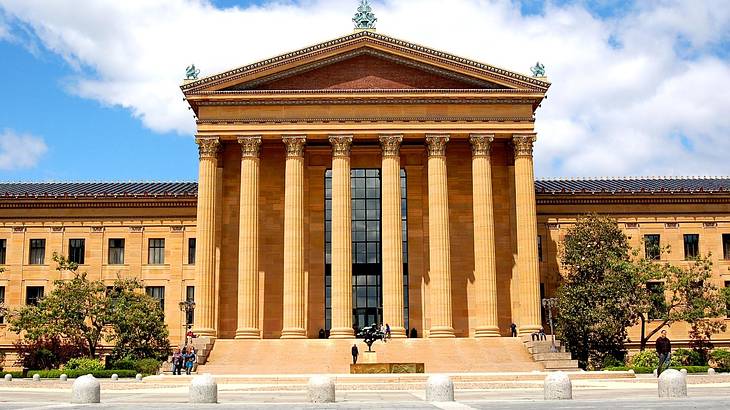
column 651, row 185
column 190, row 189
column 97, row 189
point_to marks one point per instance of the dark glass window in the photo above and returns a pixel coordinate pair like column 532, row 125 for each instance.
column 3, row 250
column 726, row 246
column 727, row 306
column 191, row 251
column 539, row 248
column 156, row 252
column 116, row 251
column 76, row 248
column 37, row 251
column 2, row 301
column 658, row 301
column 157, row 292
column 691, row 246
column 652, row 248
column 190, row 297
column 33, row 294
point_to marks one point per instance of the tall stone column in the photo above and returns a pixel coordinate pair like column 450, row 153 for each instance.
column 248, row 241
column 205, row 286
column 438, row 238
column 341, row 238
column 392, row 236
column 293, row 316
column 527, row 263
column 485, row 267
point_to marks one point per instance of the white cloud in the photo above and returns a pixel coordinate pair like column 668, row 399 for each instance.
column 636, row 94
column 19, row 151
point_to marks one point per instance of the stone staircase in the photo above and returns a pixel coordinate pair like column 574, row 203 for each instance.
column 542, row 352
column 203, row 347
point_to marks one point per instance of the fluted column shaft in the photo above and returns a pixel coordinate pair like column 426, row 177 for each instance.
column 485, row 267
column 248, row 241
column 205, row 286
column 293, row 315
column 392, row 241
column 438, row 242
column 341, row 239
column 527, row 263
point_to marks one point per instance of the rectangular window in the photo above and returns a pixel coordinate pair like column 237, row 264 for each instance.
column 652, row 250
column 539, row 248
column 3, row 250
column 726, row 246
column 37, row 251
column 157, row 292
column 658, row 302
column 33, row 294
column 2, row 301
column 727, row 306
column 76, row 249
column 116, row 251
column 191, row 251
column 691, row 246
column 190, row 297
column 156, row 255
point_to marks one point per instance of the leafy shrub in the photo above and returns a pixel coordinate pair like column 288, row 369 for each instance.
column 147, row 366
column 47, row 353
column 611, row 361
column 720, row 358
column 16, row 375
column 686, row 357
column 647, row 358
column 73, row 373
column 83, row 363
column 123, row 364
column 649, row 370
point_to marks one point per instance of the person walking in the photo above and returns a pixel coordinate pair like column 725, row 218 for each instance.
column 513, row 329
column 387, row 331
column 355, row 352
column 664, row 351
column 190, row 359
column 177, row 362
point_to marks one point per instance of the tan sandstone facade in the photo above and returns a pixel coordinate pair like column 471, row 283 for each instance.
column 448, row 144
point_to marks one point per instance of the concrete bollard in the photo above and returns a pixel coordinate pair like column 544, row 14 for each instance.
column 86, row 390
column 8, row 377
column 63, row 377
column 138, row 377
column 710, row 371
column 321, row 389
column 631, row 371
column 672, row 383
column 115, row 377
column 439, row 388
column 203, row 389
column 36, row 377
column 683, row 371
column 558, row 386
column 655, row 371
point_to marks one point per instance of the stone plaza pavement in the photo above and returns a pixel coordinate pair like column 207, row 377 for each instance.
column 705, row 392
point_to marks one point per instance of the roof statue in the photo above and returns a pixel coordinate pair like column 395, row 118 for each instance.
column 364, row 18
column 191, row 73
column 538, row 70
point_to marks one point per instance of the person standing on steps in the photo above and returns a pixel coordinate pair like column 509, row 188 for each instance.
column 513, row 328
column 664, row 351
column 355, row 352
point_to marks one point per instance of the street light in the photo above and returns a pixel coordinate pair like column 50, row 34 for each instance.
column 188, row 307
column 549, row 304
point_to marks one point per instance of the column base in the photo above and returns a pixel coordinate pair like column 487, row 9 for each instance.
column 397, row 333
column 438, row 332
column 528, row 329
column 342, row 333
column 248, row 333
column 294, row 333
column 205, row 332
column 487, row 331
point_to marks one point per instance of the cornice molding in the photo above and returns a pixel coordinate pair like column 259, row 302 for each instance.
column 341, row 120
column 626, row 200
column 356, row 100
column 71, row 203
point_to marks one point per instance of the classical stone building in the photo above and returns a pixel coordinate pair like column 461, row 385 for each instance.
column 365, row 179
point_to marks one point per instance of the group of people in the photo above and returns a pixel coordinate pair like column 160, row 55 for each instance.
column 184, row 358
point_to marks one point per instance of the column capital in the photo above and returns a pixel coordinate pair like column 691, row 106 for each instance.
column 523, row 144
column 294, row 145
column 208, row 147
column 341, row 145
column 481, row 144
column 391, row 145
column 436, row 144
column 250, row 146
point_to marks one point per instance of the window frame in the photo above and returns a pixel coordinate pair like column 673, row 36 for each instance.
column 77, row 254
column 156, row 254
column 655, row 253
column 150, row 291
column 32, row 250
column 3, row 251
column 688, row 246
column 2, row 301
column 192, row 248
column 725, row 239
column 34, row 301
column 115, row 248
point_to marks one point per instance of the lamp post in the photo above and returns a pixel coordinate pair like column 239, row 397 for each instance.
column 187, row 307
column 549, row 304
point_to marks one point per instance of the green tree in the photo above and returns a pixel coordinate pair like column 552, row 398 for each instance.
column 596, row 299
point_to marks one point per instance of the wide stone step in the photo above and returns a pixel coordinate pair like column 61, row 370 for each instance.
column 560, row 364
column 540, row 357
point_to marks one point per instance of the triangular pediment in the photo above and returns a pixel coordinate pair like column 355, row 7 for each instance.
column 366, row 60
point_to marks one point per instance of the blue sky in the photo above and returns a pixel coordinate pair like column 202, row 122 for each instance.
column 57, row 88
